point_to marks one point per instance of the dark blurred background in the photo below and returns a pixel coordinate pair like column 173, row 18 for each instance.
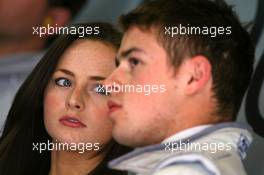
column 16, row 64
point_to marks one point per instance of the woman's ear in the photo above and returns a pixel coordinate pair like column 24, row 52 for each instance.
column 199, row 74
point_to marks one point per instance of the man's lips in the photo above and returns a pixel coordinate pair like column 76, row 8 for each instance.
column 113, row 106
column 71, row 121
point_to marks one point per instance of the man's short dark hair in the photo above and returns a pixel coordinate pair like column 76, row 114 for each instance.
column 231, row 55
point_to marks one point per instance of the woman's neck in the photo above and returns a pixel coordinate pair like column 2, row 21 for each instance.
column 74, row 163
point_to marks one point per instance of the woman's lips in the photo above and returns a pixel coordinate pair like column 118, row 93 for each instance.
column 113, row 106
column 71, row 122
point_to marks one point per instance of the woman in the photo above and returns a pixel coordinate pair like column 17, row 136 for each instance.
column 58, row 121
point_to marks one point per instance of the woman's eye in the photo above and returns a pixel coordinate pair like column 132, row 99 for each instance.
column 100, row 89
column 117, row 62
column 133, row 62
column 63, row 82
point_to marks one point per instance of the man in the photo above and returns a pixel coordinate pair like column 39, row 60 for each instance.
column 20, row 47
column 200, row 53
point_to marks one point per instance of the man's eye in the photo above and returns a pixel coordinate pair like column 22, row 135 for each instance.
column 133, row 62
column 63, row 82
column 100, row 89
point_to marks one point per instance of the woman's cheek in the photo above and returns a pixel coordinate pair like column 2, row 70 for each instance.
column 101, row 111
column 104, row 119
column 53, row 102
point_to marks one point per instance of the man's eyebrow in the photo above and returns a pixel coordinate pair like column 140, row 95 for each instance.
column 129, row 51
column 97, row 78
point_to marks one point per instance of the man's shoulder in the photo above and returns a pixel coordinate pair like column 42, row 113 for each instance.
column 183, row 169
column 200, row 163
column 160, row 159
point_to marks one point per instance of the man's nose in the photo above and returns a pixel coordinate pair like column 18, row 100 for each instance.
column 114, row 81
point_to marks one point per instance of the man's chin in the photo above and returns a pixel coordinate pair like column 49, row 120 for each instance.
column 123, row 137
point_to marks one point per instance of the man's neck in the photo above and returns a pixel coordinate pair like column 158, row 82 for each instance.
column 193, row 120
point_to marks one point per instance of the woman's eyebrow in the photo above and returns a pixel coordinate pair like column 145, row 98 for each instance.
column 66, row 72
column 93, row 77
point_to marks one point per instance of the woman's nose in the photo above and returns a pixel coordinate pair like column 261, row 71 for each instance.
column 76, row 100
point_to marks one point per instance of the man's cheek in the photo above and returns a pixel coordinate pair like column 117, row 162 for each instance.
column 133, row 102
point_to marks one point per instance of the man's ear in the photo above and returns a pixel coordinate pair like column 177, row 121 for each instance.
column 199, row 74
column 57, row 17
